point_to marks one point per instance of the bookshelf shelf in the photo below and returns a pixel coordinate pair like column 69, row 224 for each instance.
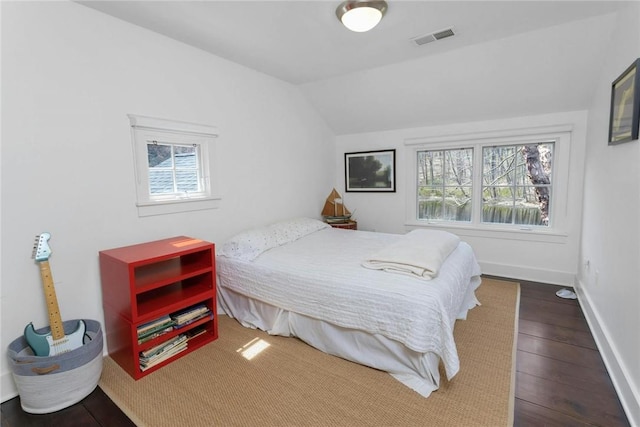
column 145, row 282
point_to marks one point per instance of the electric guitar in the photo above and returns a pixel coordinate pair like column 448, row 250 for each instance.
column 54, row 342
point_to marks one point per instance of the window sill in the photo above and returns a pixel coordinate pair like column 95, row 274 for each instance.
column 178, row 205
column 530, row 234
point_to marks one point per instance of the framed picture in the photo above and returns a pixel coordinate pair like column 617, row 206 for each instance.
column 625, row 106
column 370, row 171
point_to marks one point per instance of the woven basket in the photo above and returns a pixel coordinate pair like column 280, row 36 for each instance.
column 50, row 383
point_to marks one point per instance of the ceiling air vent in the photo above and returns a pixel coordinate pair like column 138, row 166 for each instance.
column 438, row 35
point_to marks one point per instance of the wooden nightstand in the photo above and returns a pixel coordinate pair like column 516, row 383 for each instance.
column 351, row 225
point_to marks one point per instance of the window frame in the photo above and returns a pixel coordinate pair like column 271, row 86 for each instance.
column 146, row 130
column 560, row 135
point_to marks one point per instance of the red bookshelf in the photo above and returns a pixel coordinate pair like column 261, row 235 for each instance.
column 141, row 283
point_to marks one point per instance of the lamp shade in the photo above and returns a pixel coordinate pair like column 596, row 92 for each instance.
column 361, row 16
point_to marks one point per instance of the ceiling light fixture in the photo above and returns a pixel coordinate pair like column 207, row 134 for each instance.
column 361, row 16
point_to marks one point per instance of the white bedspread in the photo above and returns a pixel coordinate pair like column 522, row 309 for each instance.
column 418, row 253
column 321, row 276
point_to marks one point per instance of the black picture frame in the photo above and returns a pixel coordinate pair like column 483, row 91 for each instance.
column 624, row 116
column 370, row 171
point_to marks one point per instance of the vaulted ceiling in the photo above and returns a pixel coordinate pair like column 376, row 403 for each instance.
column 506, row 58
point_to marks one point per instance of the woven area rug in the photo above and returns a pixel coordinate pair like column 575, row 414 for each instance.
column 293, row 384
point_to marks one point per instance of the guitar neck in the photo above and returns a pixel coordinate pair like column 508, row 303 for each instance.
column 55, row 320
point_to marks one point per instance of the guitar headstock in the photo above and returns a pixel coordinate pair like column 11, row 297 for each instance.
column 41, row 250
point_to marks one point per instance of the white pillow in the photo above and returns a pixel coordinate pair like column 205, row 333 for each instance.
column 251, row 243
column 292, row 229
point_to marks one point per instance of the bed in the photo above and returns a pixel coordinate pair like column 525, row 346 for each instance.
column 305, row 279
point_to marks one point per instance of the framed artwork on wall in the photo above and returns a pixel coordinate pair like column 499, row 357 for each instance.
column 370, row 171
column 625, row 106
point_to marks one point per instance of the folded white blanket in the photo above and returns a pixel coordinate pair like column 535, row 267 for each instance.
column 419, row 253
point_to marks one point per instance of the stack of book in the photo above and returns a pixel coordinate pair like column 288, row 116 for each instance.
column 155, row 328
column 161, row 352
column 164, row 324
column 190, row 315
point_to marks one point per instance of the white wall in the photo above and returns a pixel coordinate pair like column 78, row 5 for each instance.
column 70, row 75
column 609, row 288
column 551, row 259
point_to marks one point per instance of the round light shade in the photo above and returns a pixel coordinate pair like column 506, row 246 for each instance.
column 361, row 16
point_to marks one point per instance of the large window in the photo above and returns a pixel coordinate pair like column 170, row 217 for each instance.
column 510, row 181
column 517, row 184
column 174, row 165
column 445, row 184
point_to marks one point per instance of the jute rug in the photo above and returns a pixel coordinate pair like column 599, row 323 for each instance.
column 293, row 384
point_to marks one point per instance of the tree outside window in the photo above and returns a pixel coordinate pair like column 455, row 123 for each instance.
column 516, row 184
column 445, row 184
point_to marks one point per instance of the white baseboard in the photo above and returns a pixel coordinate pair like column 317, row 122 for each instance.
column 519, row 272
column 7, row 387
column 629, row 397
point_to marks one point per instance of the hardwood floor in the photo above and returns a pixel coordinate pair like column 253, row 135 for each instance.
column 95, row 410
column 560, row 377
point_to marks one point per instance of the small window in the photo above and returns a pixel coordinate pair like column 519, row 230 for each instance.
column 173, row 162
column 174, row 170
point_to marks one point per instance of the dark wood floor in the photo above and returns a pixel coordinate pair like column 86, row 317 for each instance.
column 560, row 380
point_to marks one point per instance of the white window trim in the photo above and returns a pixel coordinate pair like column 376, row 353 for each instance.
column 145, row 129
column 556, row 232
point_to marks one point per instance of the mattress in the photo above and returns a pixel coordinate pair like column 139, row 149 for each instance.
column 320, row 276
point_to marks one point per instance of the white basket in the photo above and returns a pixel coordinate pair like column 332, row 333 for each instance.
column 51, row 383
